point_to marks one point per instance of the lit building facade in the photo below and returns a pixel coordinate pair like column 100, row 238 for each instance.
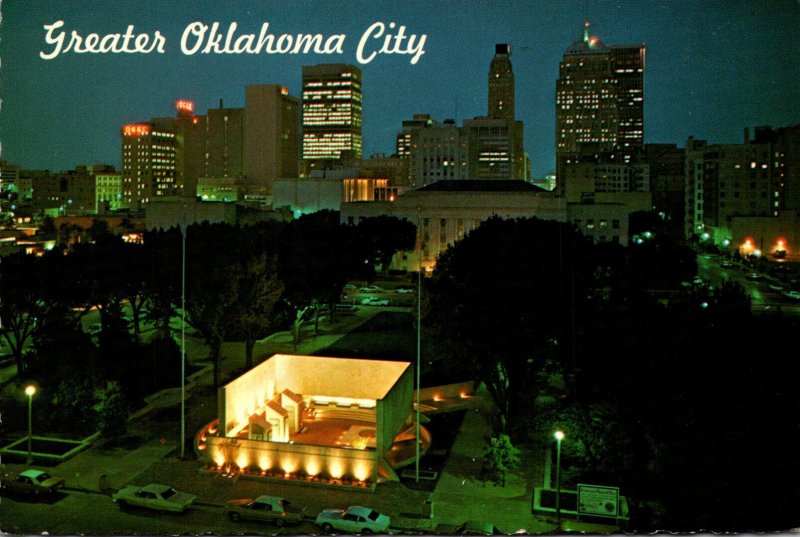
column 599, row 100
column 724, row 181
column 271, row 137
column 108, row 191
column 331, row 113
column 148, row 161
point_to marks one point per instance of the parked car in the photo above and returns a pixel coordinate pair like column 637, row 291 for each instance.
column 794, row 295
column 753, row 276
column 154, row 496
column 404, row 290
column 355, row 519
column 370, row 289
column 349, row 287
column 31, row 482
column 775, row 286
column 726, row 264
column 375, row 301
column 280, row 511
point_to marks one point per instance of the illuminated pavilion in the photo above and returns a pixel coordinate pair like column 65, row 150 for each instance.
column 317, row 419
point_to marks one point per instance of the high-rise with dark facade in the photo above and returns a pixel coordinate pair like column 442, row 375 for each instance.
column 501, row 84
column 331, row 114
column 599, row 102
column 271, row 118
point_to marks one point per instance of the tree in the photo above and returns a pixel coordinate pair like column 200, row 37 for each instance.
column 501, row 456
column 112, row 409
column 70, row 401
column 20, row 304
column 211, row 288
column 504, row 299
column 259, row 291
column 317, row 257
column 383, row 236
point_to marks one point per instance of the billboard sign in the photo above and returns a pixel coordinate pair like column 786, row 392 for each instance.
column 598, row 500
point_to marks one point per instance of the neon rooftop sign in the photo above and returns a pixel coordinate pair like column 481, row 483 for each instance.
column 184, row 105
column 135, row 130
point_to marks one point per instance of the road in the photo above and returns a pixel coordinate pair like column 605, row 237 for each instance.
column 97, row 514
column 762, row 297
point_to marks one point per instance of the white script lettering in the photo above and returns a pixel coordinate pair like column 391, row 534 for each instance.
column 392, row 44
column 94, row 44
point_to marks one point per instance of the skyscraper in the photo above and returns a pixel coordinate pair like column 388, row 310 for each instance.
column 501, row 84
column 499, row 137
column 271, row 120
column 331, row 113
column 148, row 160
column 599, row 101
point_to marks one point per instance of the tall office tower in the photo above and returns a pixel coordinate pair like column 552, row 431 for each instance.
column 501, row 84
column 331, row 114
column 271, row 122
column 190, row 141
column 224, row 152
column 599, row 101
column 500, row 138
column 148, row 161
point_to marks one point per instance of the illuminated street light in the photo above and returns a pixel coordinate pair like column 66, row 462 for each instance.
column 559, row 435
column 30, row 389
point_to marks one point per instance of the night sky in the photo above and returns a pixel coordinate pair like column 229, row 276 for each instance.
column 712, row 67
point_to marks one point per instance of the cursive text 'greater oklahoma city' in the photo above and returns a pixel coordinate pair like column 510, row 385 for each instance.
column 199, row 38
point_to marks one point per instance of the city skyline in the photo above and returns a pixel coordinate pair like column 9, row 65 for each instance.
column 704, row 77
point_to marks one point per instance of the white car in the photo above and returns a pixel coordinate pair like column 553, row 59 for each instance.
column 370, row 289
column 404, row 291
column 354, row 519
column 154, row 496
column 375, row 302
column 794, row 295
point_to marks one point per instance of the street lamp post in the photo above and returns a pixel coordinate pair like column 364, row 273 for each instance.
column 559, row 437
column 29, row 391
column 183, row 335
column 419, row 341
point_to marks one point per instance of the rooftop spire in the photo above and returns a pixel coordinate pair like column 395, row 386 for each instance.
column 586, row 32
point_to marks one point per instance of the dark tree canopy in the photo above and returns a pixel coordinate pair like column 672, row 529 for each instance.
column 505, row 299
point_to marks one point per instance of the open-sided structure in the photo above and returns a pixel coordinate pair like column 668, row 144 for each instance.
column 317, row 418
